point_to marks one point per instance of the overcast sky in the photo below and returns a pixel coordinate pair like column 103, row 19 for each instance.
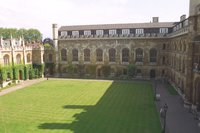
column 40, row 14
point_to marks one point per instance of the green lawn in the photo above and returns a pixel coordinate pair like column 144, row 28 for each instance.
column 80, row 106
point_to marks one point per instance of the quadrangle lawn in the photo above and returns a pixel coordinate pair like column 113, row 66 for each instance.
column 80, row 106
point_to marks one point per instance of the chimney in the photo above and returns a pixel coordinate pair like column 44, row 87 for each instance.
column 183, row 17
column 155, row 19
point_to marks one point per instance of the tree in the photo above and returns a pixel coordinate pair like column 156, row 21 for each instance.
column 48, row 40
column 29, row 35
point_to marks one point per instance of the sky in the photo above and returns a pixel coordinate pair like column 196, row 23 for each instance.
column 41, row 14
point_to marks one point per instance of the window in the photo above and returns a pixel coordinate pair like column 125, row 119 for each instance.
column 18, row 59
column 125, row 31
column 125, row 55
column 86, row 55
column 87, row 32
column 112, row 52
column 153, row 55
column 112, row 32
column 74, row 55
column 163, row 30
column 64, row 33
column 28, row 58
column 99, row 32
column 99, row 53
column 6, row 60
column 139, row 55
column 63, row 55
column 75, row 33
column 139, row 31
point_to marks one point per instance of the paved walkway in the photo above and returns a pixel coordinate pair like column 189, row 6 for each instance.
column 179, row 119
column 21, row 85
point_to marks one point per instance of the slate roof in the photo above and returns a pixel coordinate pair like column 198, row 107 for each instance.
column 117, row 26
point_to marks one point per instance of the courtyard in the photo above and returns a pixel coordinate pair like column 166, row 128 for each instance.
column 80, row 106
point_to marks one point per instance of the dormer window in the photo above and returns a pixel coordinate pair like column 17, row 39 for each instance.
column 63, row 33
column 75, row 33
column 125, row 31
column 163, row 30
column 99, row 32
column 139, row 31
column 112, row 32
column 87, row 32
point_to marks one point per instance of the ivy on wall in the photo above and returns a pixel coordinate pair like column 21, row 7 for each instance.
column 18, row 72
column 38, row 70
column 6, row 73
column 21, row 72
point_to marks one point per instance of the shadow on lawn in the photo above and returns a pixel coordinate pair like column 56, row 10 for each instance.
column 112, row 114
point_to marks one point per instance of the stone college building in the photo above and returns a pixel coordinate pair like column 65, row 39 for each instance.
column 168, row 51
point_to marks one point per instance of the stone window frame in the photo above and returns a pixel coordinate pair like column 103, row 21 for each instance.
column 139, row 55
column 153, row 55
column 112, row 55
column 99, row 55
column 28, row 58
column 63, row 55
column 86, row 55
column 6, row 59
column 125, row 55
column 74, row 54
column 18, row 59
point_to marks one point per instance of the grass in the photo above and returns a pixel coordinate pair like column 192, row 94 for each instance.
column 171, row 90
column 80, row 106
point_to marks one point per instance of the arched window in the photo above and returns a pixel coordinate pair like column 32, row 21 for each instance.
column 139, row 55
column 112, row 52
column 18, row 59
column 74, row 55
column 63, row 55
column 86, row 55
column 50, row 58
column 99, row 53
column 153, row 55
column 28, row 58
column 6, row 60
column 125, row 55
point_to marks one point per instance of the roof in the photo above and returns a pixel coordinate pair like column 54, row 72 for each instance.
column 117, row 26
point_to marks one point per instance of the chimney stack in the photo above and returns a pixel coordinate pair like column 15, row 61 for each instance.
column 155, row 19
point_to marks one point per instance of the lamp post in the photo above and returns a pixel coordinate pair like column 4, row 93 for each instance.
column 165, row 108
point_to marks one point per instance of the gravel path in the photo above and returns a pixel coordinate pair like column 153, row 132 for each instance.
column 21, row 85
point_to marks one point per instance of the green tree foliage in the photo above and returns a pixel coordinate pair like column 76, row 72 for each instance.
column 47, row 45
column 29, row 35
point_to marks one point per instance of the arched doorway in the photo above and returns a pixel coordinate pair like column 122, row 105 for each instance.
column 152, row 73
column 20, row 75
